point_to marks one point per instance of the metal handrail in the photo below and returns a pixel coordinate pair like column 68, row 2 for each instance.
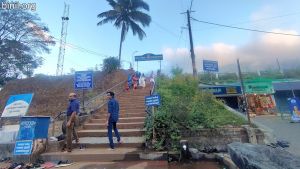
column 100, row 100
column 94, row 103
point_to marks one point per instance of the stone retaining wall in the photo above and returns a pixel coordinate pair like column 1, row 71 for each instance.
column 216, row 140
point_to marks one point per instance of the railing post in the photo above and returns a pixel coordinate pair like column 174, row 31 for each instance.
column 53, row 127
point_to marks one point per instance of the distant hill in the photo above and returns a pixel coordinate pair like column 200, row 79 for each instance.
column 51, row 92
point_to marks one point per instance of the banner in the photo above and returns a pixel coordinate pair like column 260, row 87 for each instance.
column 17, row 105
column 23, row 147
column 33, row 128
column 149, row 57
column 294, row 105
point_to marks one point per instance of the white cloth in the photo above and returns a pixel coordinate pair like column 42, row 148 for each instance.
column 142, row 82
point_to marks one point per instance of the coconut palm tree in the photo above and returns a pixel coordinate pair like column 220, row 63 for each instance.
column 126, row 14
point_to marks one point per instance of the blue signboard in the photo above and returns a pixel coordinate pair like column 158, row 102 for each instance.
column 33, row 128
column 294, row 106
column 83, row 80
column 153, row 100
column 148, row 57
column 210, row 66
column 23, row 147
column 17, row 105
column 224, row 90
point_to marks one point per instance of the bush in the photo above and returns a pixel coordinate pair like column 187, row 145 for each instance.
column 184, row 106
column 110, row 64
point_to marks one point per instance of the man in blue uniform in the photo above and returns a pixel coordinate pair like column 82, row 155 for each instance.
column 72, row 111
column 112, row 119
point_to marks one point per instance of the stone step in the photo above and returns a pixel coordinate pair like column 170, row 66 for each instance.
column 124, row 110
column 132, row 105
column 121, row 120
column 103, row 133
column 122, row 115
column 95, row 126
column 102, row 142
column 94, row 155
column 133, row 102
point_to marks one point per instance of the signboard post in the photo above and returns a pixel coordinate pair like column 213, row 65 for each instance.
column 31, row 128
column 23, row 147
column 210, row 66
column 149, row 57
column 153, row 100
column 83, row 81
column 17, row 105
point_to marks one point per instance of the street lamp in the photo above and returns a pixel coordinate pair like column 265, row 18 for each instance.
column 132, row 58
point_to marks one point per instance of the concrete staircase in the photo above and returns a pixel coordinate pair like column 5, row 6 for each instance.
column 93, row 135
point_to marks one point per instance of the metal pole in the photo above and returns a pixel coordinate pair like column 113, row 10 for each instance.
column 160, row 66
column 293, row 93
column 191, row 44
column 153, row 128
column 243, row 91
column 83, row 93
column 137, row 65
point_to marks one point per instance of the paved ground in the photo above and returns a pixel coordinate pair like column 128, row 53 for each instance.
column 137, row 165
column 283, row 130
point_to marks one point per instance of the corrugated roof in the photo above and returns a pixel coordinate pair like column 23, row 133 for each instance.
column 280, row 86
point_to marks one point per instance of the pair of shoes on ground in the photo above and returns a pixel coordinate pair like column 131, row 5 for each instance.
column 65, row 148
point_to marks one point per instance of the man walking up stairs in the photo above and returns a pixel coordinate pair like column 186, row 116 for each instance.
column 93, row 134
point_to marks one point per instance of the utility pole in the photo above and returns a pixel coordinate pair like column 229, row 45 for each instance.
column 191, row 43
column 63, row 38
column 279, row 67
column 245, row 102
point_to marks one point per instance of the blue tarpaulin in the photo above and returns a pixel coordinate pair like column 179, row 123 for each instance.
column 282, row 86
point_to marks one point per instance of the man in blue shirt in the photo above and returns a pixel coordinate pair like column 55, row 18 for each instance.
column 72, row 111
column 112, row 119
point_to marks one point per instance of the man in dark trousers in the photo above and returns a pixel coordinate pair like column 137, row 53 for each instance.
column 72, row 111
column 112, row 118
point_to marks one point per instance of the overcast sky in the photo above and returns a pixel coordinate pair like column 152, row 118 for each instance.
column 257, row 51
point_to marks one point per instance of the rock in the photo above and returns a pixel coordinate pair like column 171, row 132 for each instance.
column 262, row 157
column 151, row 156
column 210, row 156
column 194, row 153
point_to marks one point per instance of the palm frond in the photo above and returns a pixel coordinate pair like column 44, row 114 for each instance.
column 136, row 29
column 139, row 4
column 112, row 3
column 140, row 17
column 108, row 14
column 104, row 21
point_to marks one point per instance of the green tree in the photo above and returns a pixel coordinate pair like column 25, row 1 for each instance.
column 110, row 64
column 127, row 14
column 23, row 38
column 176, row 71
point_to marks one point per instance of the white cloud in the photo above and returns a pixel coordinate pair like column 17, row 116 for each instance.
column 258, row 54
column 262, row 13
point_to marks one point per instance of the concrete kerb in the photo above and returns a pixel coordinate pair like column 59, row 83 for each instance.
column 269, row 137
column 196, row 156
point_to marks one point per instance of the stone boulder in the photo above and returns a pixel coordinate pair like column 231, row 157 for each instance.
column 250, row 156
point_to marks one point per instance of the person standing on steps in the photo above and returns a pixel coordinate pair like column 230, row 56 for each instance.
column 112, row 119
column 143, row 81
column 72, row 111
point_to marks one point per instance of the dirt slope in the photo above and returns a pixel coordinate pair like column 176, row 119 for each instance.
column 51, row 93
